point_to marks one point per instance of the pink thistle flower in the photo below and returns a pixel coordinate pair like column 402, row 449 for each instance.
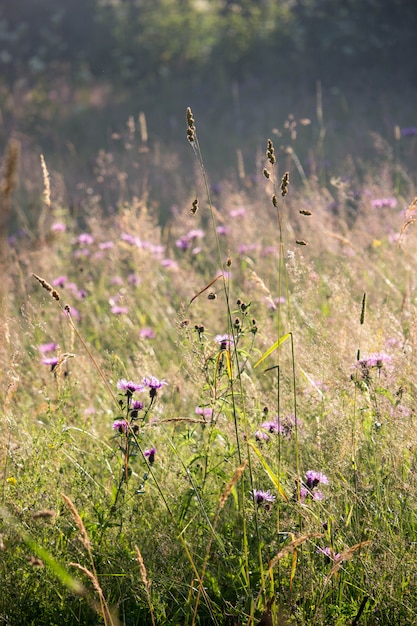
column 121, row 425
column 263, row 497
column 47, row 347
column 147, row 333
column 58, row 227
column 206, row 411
column 150, row 455
column 119, row 310
column 85, row 239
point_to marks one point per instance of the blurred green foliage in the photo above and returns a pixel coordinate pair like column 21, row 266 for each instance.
column 131, row 41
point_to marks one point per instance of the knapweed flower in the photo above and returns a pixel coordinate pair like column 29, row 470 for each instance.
column 313, row 478
column 154, row 384
column 224, row 341
column 183, row 243
column 204, row 411
column 260, row 435
column 329, row 554
column 133, row 279
column 263, row 497
column 121, row 425
column 52, row 361
column 119, row 310
column 147, row 333
column 137, row 405
column 134, row 241
column 58, row 227
column 273, row 427
column 150, row 455
column 106, row 245
column 47, row 347
column 59, row 282
column 379, row 203
column 169, row 264
column 81, row 252
column 129, row 386
column 85, row 239
column 307, row 493
column 196, row 233
column 377, row 359
column 239, row 212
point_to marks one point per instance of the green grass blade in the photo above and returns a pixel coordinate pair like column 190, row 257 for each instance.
column 269, row 471
column 272, row 348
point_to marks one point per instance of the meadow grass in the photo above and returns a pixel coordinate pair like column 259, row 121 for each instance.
column 212, row 421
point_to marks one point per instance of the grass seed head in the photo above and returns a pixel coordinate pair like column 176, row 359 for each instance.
column 285, row 183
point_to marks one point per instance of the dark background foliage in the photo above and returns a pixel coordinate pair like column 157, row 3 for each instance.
column 73, row 71
column 139, row 40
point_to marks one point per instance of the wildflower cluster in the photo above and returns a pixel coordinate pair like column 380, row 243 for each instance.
column 134, row 410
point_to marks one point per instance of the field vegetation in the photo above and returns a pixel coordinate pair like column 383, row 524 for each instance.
column 208, row 321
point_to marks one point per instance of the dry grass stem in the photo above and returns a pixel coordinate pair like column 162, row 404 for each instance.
column 84, row 535
column 145, row 581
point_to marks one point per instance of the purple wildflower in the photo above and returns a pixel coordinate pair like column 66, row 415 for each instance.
column 129, row 386
column 204, row 411
column 58, row 227
column 244, row 248
column 147, row 333
column 52, row 361
column 157, row 250
column 262, row 497
column 169, row 264
column 377, row 359
column 119, row 310
column 379, row 203
column 260, row 435
column 239, row 212
column 47, row 347
column 60, row 281
column 313, row 478
column 273, row 427
column 133, row 279
column 224, row 340
column 183, row 243
column 81, row 252
column 134, row 241
column 150, row 455
column 85, row 239
column 106, row 245
column 154, row 384
column 196, row 233
column 137, row 405
column 314, row 495
column 121, row 425
column 329, row 554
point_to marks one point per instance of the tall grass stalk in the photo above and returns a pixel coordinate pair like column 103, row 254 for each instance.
column 193, row 140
